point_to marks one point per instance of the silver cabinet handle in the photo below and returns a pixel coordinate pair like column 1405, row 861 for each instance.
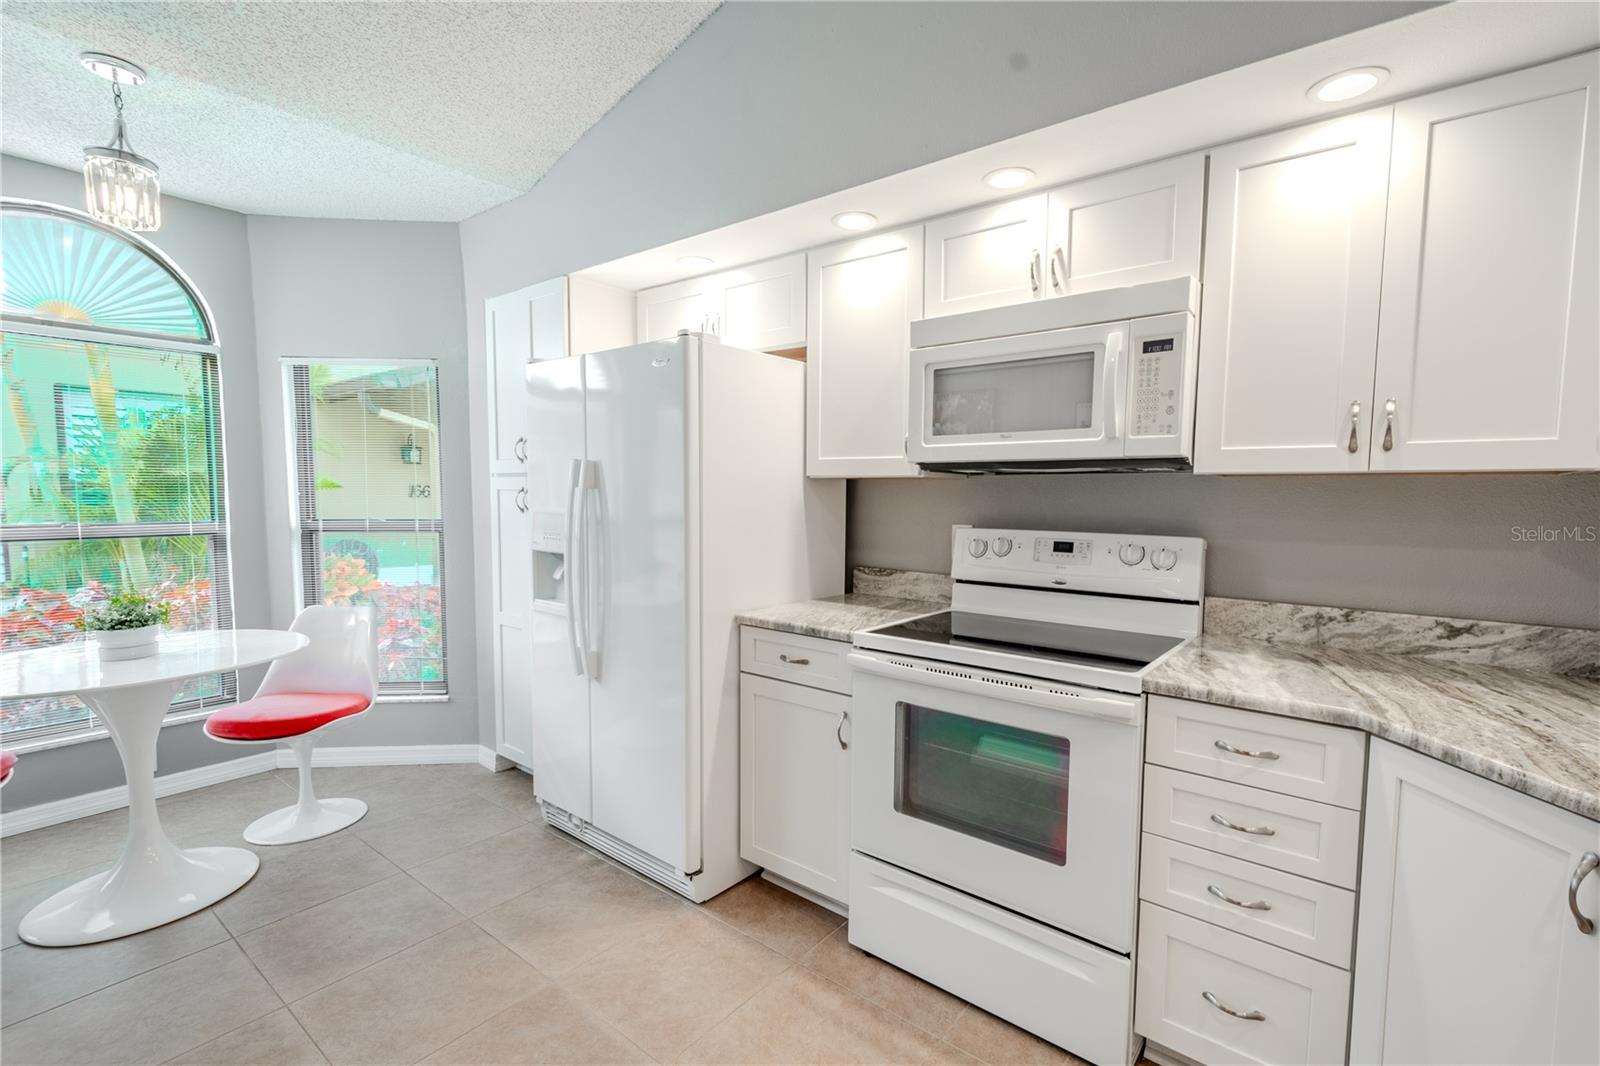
column 1253, row 830
column 838, row 731
column 1247, row 904
column 1058, row 280
column 1033, row 272
column 519, row 448
column 1247, row 1015
column 1223, row 745
column 793, row 662
column 521, row 500
column 1388, row 424
column 1586, row 866
column 1355, row 421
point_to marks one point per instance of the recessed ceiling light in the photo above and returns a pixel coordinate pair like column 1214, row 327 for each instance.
column 1347, row 84
column 695, row 261
column 855, row 220
column 1008, row 178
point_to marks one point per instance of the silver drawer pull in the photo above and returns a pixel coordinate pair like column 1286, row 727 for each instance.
column 1247, row 1015
column 1247, row 904
column 1253, row 830
column 1586, row 866
column 1223, row 745
column 793, row 662
column 838, row 731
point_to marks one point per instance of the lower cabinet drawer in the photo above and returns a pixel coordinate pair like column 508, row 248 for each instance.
column 1217, row 997
column 1292, row 912
column 1066, row 990
column 792, row 657
column 1311, row 839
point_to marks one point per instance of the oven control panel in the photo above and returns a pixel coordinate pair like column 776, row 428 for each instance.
column 1118, row 563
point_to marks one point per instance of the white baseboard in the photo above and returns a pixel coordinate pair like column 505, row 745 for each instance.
column 40, row 815
column 490, row 759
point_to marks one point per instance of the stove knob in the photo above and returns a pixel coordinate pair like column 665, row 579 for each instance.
column 1164, row 559
column 977, row 547
column 1131, row 554
column 1002, row 547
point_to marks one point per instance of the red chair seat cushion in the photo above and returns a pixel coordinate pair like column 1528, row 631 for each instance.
column 287, row 714
column 7, row 761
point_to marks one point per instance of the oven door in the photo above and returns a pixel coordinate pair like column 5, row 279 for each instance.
column 1052, row 396
column 1024, row 793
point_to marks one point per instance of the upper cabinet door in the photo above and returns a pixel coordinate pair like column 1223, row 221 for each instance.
column 764, row 304
column 1127, row 228
column 1289, row 309
column 519, row 327
column 987, row 257
column 693, row 305
column 862, row 296
column 1489, row 349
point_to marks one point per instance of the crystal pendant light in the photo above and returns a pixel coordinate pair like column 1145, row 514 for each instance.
column 120, row 186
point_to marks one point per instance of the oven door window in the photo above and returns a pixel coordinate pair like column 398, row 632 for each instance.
column 1044, row 394
column 1001, row 784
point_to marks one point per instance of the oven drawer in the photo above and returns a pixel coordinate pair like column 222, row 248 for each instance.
column 1314, row 840
column 792, row 657
column 1302, row 1005
column 1306, row 759
column 1063, row 989
column 1292, row 912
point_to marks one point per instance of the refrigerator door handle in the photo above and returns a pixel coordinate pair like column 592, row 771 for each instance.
column 573, row 567
column 595, row 552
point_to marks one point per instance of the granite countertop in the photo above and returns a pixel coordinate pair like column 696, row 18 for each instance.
column 837, row 617
column 1537, row 732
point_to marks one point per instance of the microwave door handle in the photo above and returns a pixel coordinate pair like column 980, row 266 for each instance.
column 1113, row 386
column 573, row 566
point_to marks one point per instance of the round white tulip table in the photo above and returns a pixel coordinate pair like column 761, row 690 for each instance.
column 154, row 882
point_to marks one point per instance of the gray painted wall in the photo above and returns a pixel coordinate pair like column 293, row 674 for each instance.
column 772, row 104
column 307, row 287
column 1444, row 545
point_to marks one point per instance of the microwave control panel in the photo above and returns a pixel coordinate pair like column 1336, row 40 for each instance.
column 1161, row 375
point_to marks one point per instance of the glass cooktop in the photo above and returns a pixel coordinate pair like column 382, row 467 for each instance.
column 1111, row 649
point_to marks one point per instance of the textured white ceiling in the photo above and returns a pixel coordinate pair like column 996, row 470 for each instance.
column 416, row 109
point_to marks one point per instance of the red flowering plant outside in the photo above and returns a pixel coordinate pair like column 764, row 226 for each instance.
column 410, row 637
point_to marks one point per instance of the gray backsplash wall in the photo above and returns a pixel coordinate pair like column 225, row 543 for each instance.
column 1458, row 545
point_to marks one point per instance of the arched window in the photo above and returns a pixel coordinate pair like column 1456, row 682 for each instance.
column 111, row 468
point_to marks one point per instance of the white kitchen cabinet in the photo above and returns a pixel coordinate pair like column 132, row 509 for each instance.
column 861, row 297
column 1289, row 311
column 511, row 553
column 1489, row 339
column 519, row 326
column 1127, row 228
column 1468, row 949
column 761, row 307
column 794, row 783
column 986, row 257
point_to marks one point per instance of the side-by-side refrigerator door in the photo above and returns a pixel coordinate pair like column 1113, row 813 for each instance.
column 638, row 692
column 555, row 498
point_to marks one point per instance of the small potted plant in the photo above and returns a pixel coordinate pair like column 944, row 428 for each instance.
column 126, row 626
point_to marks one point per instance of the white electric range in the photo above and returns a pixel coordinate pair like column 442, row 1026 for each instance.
column 995, row 775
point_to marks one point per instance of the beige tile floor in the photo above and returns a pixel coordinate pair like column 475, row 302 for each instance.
column 450, row 927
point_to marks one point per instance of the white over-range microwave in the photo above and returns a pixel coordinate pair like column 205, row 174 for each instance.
column 1099, row 380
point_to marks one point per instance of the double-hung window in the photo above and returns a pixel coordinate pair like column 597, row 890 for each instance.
column 368, row 514
column 111, row 467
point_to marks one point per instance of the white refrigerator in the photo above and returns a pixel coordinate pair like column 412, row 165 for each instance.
column 667, row 490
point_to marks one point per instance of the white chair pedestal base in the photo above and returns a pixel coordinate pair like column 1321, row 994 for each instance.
column 295, row 823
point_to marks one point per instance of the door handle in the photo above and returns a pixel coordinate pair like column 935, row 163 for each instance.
column 1112, row 387
column 1223, row 745
column 574, row 569
column 1247, row 904
column 838, row 731
column 782, row 658
column 1388, row 424
column 1253, row 830
column 1586, row 866
column 1247, row 1015
column 1056, row 280
column 1355, row 420
column 521, row 500
column 1033, row 272
column 519, row 448
column 595, row 557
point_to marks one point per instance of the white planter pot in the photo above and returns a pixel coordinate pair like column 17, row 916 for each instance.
column 117, row 645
